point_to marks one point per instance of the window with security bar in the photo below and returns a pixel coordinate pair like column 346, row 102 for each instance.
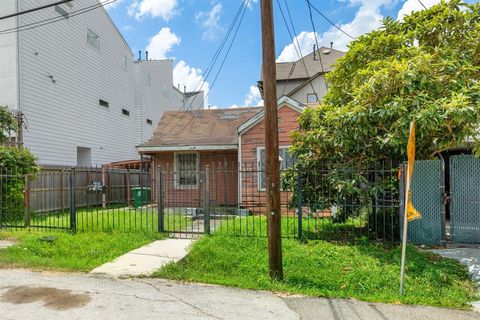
column 186, row 170
column 286, row 161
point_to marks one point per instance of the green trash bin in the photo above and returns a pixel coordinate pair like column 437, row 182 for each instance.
column 141, row 196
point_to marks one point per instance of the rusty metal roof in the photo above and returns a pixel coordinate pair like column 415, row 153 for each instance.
column 216, row 127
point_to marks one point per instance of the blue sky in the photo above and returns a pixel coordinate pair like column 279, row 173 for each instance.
column 190, row 31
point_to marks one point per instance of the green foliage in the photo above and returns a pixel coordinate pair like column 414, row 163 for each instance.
column 426, row 68
column 8, row 124
column 366, row 272
column 15, row 164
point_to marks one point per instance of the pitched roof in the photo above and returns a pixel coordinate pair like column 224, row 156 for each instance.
column 217, row 127
column 296, row 70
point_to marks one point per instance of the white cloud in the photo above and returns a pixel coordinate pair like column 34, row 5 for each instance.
column 127, row 28
column 210, row 21
column 251, row 3
column 164, row 9
column 192, row 78
column 414, row 5
column 234, row 106
column 111, row 5
column 161, row 43
column 367, row 18
column 253, row 97
column 305, row 40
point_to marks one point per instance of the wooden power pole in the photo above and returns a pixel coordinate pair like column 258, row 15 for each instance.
column 272, row 164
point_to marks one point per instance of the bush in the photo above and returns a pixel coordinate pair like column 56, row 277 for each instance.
column 15, row 164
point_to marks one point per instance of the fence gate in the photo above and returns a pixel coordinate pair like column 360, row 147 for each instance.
column 427, row 189
column 465, row 199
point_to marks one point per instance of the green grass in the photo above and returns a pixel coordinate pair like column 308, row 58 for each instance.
column 318, row 268
column 60, row 250
column 320, row 228
column 108, row 220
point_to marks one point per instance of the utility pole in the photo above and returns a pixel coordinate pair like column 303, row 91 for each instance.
column 272, row 164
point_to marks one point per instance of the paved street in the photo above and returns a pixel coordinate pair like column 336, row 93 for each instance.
column 27, row 295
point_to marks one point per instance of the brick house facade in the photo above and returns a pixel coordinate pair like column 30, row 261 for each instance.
column 229, row 144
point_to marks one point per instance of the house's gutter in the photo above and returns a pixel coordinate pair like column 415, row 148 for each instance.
column 187, row 148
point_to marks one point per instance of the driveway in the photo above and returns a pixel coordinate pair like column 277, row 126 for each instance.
column 28, row 295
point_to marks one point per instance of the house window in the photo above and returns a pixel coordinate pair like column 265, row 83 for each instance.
column 61, row 11
column 286, row 161
column 103, row 103
column 125, row 63
column 125, row 112
column 149, row 121
column 84, row 156
column 148, row 79
column 186, row 168
column 311, row 98
column 93, row 39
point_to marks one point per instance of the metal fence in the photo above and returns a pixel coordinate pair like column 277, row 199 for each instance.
column 345, row 203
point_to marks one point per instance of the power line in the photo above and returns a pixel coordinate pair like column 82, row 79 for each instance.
column 244, row 6
column 316, row 41
column 422, row 4
column 210, row 65
column 48, row 21
column 33, row 9
column 330, row 21
column 296, row 44
column 216, row 55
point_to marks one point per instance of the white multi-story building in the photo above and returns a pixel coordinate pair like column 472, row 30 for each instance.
column 85, row 98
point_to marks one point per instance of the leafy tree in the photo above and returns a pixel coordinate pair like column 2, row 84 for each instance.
column 8, row 124
column 427, row 68
column 15, row 164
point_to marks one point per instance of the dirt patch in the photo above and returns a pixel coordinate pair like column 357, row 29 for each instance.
column 56, row 299
column 7, row 243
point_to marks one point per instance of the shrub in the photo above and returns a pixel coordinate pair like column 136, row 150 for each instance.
column 15, row 164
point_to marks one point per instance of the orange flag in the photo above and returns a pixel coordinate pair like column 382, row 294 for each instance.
column 412, row 213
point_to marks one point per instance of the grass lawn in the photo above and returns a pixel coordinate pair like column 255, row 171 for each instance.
column 318, row 268
column 61, row 250
column 108, row 220
column 312, row 228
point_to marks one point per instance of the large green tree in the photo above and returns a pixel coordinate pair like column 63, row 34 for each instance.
column 426, row 67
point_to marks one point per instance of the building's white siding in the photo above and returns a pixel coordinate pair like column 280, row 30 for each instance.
column 155, row 94
column 8, row 52
column 285, row 87
column 318, row 85
column 61, row 79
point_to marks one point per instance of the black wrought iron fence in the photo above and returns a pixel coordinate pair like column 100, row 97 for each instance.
column 345, row 203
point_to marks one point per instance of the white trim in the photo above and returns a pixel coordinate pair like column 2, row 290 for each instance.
column 239, row 159
column 188, row 148
column 282, row 102
column 175, row 171
column 259, row 171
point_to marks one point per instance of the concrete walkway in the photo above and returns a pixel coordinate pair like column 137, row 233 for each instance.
column 469, row 256
column 147, row 259
column 28, row 295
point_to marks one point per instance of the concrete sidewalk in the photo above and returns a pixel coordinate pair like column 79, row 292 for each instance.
column 147, row 259
column 28, row 295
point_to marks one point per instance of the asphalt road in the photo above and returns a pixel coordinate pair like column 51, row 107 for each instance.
column 28, row 295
